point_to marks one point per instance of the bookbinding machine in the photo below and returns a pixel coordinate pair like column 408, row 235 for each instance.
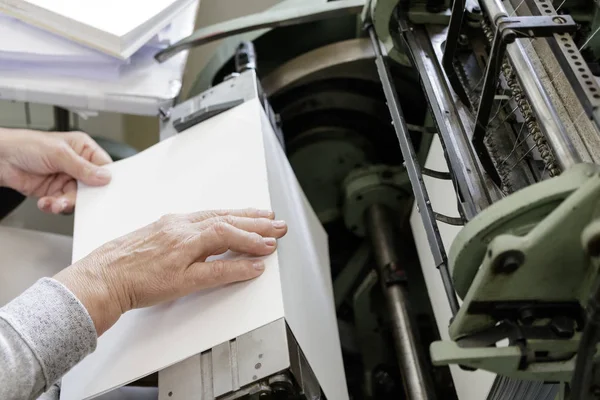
column 358, row 91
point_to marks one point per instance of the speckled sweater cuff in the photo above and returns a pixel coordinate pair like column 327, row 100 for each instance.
column 54, row 324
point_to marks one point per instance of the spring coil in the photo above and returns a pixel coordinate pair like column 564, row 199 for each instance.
column 525, row 108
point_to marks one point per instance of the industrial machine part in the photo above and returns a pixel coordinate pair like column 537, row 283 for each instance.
column 511, row 89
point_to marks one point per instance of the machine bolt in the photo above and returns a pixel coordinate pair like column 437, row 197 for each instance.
column 527, row 316
column 559, row 20
column 563, row 327
column 463, row 40
column 508, row 262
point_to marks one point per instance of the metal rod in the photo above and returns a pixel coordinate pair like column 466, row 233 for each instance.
column 485, row 106
column 414, row 173
column 553, row 128
column 417, row 382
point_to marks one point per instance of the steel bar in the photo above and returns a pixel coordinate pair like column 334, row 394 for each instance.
column 468, row 179
column 414, row 173
column 456, row 22
column 417, row 382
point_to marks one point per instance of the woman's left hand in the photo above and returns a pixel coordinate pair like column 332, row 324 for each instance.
column 47, row 165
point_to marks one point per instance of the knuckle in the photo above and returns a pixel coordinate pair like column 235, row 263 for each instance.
column 218, row 269
column 220, row 228
column 167, row 220
column 227, row 219
column 256, row 239
column 80, row 136
column 62, row 148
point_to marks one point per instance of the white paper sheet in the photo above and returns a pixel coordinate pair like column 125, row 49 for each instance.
column 305, row 273
column 115, row 27
column 142, row 87
column 217, row 164
column 232, row 160
column 26, row 256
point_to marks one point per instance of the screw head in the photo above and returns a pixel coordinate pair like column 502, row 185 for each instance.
column 508, row 262
column 559, row 20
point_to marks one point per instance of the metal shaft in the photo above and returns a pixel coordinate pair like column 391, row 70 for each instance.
column 551, row 125
column 417, row 382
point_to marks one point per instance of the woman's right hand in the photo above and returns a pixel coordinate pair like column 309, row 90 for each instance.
column 167, row 259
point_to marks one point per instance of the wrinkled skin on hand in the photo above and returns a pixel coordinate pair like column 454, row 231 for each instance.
column 167, row 259
column 47, row 165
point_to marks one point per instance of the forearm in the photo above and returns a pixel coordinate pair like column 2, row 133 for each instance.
column 43, row 333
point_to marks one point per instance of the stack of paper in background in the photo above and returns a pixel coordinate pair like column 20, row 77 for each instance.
column 89, row 39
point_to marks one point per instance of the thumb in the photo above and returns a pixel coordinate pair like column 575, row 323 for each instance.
column 82, row 170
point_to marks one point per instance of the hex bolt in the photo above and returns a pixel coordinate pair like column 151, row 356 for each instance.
column 563, row 327
column 508, row 262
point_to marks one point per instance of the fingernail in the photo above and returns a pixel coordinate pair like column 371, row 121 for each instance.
column 265, row 213
column 259, row 265
column 62, row 206
column 102, row 173
column 44, row 204
column 278, row 224
column 270, row 241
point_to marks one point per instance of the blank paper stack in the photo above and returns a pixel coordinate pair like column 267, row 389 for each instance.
column 88, row 39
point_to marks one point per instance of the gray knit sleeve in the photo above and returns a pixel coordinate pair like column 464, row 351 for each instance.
column 43, row 333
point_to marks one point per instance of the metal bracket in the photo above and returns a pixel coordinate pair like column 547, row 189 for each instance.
column 197, row 116
column 508, row 30
column 525, row 265
column 575, row 68
column 456, row 21
column 265, row 360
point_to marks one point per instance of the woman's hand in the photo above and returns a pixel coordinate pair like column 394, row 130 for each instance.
column 47, row 165
column 167, row 259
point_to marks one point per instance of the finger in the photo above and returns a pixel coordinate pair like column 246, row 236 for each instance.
column 81, row 169
column 64, row 204
column 248, row 213
column 204, row 275
column 58, row 184
column 61, row 203
column 263, row 226
column 87, row 147
column 220, row 237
